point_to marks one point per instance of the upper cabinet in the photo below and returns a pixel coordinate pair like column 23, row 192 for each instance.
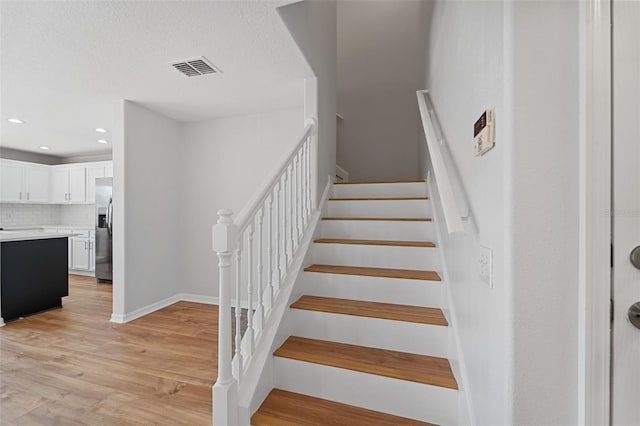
column 68, row 184
column 93, row 172
column 22, row 182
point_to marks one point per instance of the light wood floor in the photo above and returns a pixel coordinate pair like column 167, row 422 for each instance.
column 71, row 366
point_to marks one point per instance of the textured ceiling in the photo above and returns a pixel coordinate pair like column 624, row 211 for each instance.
column 64, row 63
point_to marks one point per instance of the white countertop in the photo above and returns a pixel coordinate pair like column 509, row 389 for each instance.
column 40, row 227
column 30, row 235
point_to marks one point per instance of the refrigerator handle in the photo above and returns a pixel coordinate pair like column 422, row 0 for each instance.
column 110, row 217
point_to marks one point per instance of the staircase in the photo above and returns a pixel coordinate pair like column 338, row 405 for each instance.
column 369, row 340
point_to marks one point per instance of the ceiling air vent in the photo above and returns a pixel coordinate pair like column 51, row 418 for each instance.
column 195, row 66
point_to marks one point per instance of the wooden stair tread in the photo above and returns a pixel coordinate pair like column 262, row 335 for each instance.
column 398, row 365
column 411, row 274
column 397, row 219
column 379, row 199
column 375, row 242
column 368, row 182
column 416, row 314
column 284, row 408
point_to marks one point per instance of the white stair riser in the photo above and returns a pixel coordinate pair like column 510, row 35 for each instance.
column 410, row 189
column 398, row 397
column 425, row 258
column 378, row 230
column 374, row 289
column 424, row 339
column 390, row 208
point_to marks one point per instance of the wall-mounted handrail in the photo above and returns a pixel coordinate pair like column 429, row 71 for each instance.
column 450, row 208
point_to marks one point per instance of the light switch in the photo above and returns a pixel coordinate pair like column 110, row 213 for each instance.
column 483, row 139
column 485, row 265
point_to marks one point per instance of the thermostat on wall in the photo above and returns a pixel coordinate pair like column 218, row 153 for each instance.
column 483, row 134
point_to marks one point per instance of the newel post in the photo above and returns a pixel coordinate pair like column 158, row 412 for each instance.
column 225, row 390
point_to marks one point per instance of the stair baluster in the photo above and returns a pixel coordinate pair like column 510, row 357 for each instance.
column 278, row 237
column 270, row 251
column 291, row 214
column 250, row 334
column 259, row 276
column 238, row 337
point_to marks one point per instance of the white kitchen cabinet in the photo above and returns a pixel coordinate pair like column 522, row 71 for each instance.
column 23, row 182
column 77, row 184
column 81, row 254
column 108, row 170
column 68, row 184
column 36, row 183
column 10, row 181
column 94, row 172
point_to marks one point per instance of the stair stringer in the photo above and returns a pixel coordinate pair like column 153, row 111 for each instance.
column 456, row 358
column 259, row 379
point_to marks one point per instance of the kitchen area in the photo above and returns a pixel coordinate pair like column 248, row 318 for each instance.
column 55, row 220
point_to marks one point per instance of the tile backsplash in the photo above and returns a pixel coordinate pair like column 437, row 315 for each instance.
column 46, row 214
column 77, row 214
column 29, row 214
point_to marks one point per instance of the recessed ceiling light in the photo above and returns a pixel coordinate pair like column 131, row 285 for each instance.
column 102, row 141
column 15, row 121
column 101, row 130
column 46, row 148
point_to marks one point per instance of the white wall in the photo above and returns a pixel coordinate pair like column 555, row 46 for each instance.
column 541, row 82
column 519, row 339
column 456, row 45
column 222, row 163
column 146, row 235
column 312, row 25
column 380, row 66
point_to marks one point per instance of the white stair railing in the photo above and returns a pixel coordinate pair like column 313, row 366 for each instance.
column 268, row 230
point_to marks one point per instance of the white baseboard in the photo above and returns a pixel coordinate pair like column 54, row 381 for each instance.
column 83, row 273
column 180, row 297
column 199, row 298
column 145, row 310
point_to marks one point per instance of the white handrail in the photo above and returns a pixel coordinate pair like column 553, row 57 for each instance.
column 452, row 216
column 267, row 232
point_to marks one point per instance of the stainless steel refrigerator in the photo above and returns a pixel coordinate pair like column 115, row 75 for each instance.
column 104, row 230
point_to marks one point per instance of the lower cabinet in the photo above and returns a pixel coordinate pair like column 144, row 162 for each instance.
column 83, row 257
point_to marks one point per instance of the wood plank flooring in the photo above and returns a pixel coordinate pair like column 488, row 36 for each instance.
column 283, row 408
column 389, row 311
column 411, row 274
column 427, row 244
column 367, row 182
column 399, row 365
column 72, row 366
column 379, row 199
column 395, row 219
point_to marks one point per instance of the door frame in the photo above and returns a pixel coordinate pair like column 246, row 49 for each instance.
column 595, row 122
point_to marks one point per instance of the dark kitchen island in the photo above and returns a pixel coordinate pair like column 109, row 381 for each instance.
column 34, row 275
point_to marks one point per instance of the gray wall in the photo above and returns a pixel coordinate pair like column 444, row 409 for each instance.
column 221, row 164
column 313, row 27
column 34, row 157
column 380, row 66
